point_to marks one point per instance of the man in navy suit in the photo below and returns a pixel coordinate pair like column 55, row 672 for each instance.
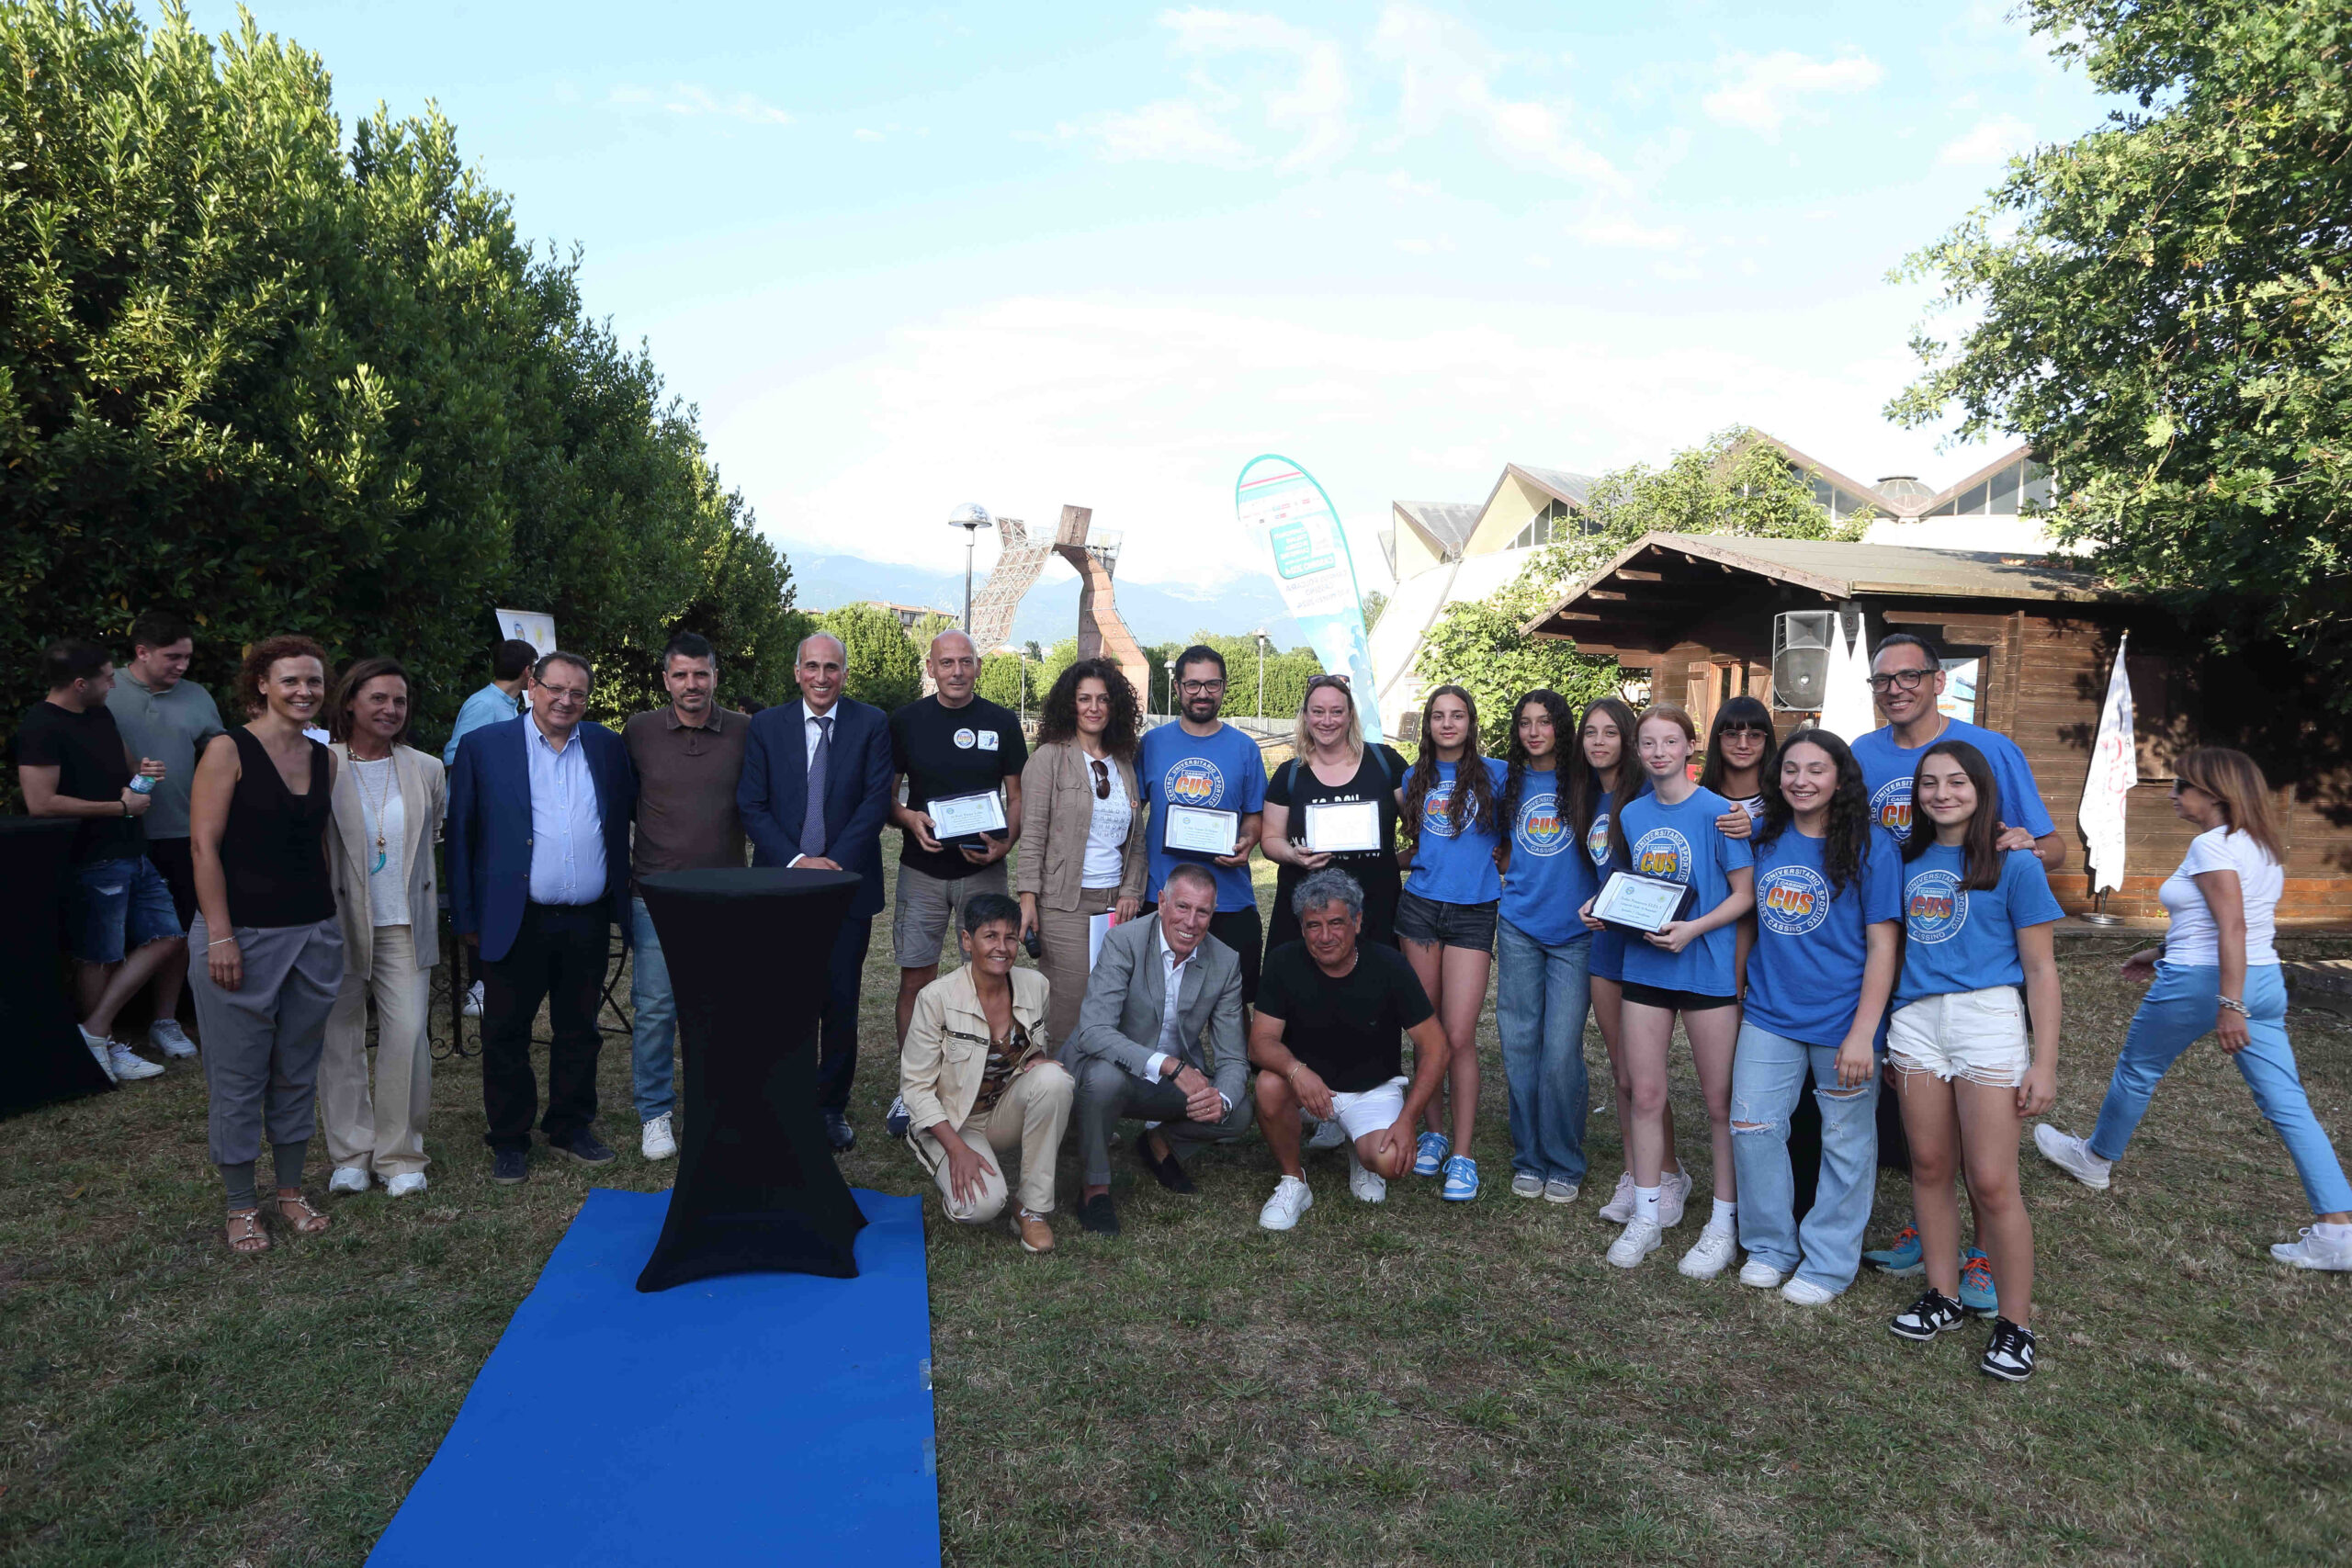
column 538, row 843
column 815, row 792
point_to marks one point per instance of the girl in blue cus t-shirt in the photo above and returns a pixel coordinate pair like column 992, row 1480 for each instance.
column 1445, row 917
column 1976, row 925
column 1829, row 898
column 1683, row 969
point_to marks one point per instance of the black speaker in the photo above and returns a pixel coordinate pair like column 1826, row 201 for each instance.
column 1800, row 644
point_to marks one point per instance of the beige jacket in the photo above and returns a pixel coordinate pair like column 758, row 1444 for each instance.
column 948, row 1045
column 425, row 797
column 1056, row 812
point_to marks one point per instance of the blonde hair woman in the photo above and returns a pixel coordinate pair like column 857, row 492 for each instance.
column 1331, row 764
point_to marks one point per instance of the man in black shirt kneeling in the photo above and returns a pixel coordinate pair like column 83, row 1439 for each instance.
column 1329, row 1036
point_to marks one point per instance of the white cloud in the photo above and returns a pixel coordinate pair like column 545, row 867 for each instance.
column 1404, row 184
column 1989, row 143
column 1310, row 108
column 691, row 100
column 1625, row 234
column 1173, row 131
column 1422, row 247
column 864, row 135
column 1760, row 93
column 1449, row 74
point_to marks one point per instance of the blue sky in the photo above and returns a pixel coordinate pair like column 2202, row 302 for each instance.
column 1030, row 254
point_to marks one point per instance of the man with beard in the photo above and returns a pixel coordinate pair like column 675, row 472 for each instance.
column 1204, row 762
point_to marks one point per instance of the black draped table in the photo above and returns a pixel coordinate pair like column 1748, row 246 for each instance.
column 41, row 1054
column 757, row 1188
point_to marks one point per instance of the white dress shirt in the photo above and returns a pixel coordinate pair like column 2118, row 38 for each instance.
column 567, row 830
column 1172, row 1057
column 812, row 735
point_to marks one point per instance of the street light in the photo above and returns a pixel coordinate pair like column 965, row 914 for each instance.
column 1261, row 634
column 971, row 517
column 1172, row 709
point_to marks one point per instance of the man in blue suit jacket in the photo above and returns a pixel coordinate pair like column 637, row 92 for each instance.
column 842, row 749
column 540, row 809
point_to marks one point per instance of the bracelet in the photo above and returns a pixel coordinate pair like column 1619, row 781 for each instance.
column 222, row 942
column 2234, row 1005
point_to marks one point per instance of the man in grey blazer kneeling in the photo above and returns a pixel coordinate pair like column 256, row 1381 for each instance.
column 1160, row 1039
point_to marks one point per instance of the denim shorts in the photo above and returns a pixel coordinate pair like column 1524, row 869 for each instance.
column 1976, row 1035
column 118, row 906
column 1446, row 925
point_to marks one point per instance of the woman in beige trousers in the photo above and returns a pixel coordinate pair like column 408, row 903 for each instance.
column 389, row 800
column 1081, row 829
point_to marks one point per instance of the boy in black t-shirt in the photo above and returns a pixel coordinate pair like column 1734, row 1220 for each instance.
column 950, row 743
column 1328, row 1038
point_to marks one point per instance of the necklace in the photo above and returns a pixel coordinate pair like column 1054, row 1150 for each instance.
column 377, row 807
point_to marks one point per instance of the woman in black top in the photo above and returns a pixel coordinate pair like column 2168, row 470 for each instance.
column 1332, row 763
column 272, row 946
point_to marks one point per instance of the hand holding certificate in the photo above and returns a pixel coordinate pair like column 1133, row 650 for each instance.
column 1202, row 830
column 967, row 815
column 1342, row 826
column 1645, row 903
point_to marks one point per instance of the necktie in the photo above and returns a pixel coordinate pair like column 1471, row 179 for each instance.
column 812, row 820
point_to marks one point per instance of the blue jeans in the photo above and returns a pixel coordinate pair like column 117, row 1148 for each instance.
column 1541, row 995
column 2180, row 1009
column 653, row 1020
column 1767, row 1075
column 115, row 906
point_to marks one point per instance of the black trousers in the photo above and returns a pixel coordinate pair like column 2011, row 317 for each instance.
column 560, row 957
column 837, row 1023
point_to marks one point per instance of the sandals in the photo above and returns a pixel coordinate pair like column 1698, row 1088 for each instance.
column 245, row 1235
column 295, row 1213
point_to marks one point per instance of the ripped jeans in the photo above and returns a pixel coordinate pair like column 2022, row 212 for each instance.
column 1767, row 1074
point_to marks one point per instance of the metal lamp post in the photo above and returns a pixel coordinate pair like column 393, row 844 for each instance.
column 971, row 517
column 1172, row 709
column 1261, row 634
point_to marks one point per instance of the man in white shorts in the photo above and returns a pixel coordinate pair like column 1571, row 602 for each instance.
column 1328, row 1038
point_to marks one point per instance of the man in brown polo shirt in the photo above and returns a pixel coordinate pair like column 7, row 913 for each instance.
column 688, row 757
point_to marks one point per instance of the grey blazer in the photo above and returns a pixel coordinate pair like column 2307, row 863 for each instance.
column 1126, row 994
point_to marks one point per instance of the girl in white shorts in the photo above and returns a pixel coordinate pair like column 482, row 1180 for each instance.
column 1976, row 925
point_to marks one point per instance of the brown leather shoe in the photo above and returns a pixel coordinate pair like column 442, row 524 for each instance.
column 1037, row 1236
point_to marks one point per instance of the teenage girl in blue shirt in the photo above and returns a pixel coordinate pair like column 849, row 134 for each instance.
column 1445, row 917
column 1684, row 970
column 1976, row 925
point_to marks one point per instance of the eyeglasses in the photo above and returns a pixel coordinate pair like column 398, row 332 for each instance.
column 1907, row 679
column 565, row 694
column 1201, row 688
column 1102, row 778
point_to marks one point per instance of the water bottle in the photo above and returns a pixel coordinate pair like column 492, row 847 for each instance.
column 142, row 784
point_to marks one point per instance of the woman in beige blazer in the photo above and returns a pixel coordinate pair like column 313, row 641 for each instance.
column 1082, row 827
column 389, row 800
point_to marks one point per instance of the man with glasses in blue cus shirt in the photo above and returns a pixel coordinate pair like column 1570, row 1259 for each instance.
column 1199, row 760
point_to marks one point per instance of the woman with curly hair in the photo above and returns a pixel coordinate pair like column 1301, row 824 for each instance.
column 1828, row 903
column 1446, row 915
column 1083, row 849
column 267, row 932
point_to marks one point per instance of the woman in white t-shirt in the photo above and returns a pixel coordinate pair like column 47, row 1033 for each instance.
column 2218, row 971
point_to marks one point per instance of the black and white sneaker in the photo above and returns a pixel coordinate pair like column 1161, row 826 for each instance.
column 896, row 1120
column 2010, row 1355
column 1933, row 1313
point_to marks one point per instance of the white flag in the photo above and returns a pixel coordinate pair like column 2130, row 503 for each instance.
column 2115, row 771
column 1846, row 710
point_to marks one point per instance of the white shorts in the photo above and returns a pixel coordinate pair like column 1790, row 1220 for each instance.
column 1373, row 1111
column 1976, row 1035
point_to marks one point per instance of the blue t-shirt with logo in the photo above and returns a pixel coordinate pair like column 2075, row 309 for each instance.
column 1887, row 770
column 1550, row 876
column 1222, row 771
column 1681, row 843
column 1454, row 866
column 1609, row 941
column 1805, row 975
column 1955, row 940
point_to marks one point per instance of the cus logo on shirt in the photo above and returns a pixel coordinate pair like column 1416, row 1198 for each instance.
column 1934, row 907
column 1195, row 781
column 1792, row 899
column 1662, row 851
column 1542, row 830
column 1891, row 806
column 1595, row 839
column 1437, row 818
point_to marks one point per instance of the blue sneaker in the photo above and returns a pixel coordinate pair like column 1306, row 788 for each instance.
column 1976, row 1292
column 1903, row 1257
column 1461, row 1180
column 1429, row 1153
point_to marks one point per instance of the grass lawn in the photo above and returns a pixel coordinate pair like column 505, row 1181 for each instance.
column 1417, row 1383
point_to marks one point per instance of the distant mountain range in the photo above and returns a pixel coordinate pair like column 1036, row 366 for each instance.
column 1154, row 612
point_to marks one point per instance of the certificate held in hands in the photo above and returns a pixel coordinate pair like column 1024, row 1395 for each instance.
column 1342, row 826
column 1201, row 831
column 1638, row 903
column 967, row 818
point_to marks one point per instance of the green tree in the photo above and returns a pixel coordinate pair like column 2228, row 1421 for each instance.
column 1373, row 603
column 885, row 669
column 2160, row 308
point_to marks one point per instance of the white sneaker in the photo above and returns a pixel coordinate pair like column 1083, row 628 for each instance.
column 1558, row 1191
column 1526, row 1184
column 1291, row 1200
column 657, row 1141
column 1761, row 1274
column 1806, row 1294
column 1635, row 1242
column 101, row 1051
column 1620, row 1207
column 1327, row 1135
column 2072, row 1156
column 1673, row 1192
column 128, row 1065
column 1708, row 1256
column 473, row 1000
column 2314, row 1251
column 406, row 1182
column 1368, row 1185
column 348, row 1179
column 167, row 1036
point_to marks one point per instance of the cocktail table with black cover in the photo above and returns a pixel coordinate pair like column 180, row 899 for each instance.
column 41, row 1054
column 758, row 1189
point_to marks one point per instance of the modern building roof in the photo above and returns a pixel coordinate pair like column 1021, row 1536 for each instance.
column 1574, row 489
column 1446, row 525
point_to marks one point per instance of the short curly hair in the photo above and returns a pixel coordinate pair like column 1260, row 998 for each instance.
column 267, row 652
column 1058, row 715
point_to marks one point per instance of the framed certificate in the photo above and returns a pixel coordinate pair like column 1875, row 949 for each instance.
column 1342, row 826
column 1201, row 831
column 1640, row 903
column 966, row 816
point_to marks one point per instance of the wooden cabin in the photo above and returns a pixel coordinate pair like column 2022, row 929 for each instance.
column 1696, row 611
